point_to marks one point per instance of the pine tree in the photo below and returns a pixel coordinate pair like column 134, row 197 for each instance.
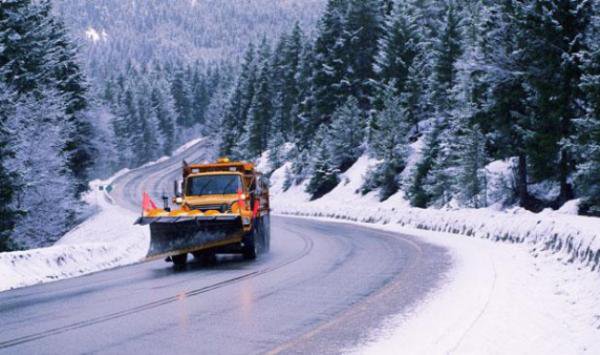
column 200, row 95
column 25, row 43
column 329, row 65
column 236, row 114
column 288, row 179
column 509, row 128
column 8, row 214
column 362, row 30
column 324, row 177
column 554, row 33
column 182, row 96
column 124, row 126
column 71, row 83
column 588, row 128
column 346, row 135
column 399, row 47
column 163, row 112
column 446, row 51
column 433, row 180
column 401, row 60
column 285, row 67
column 304, row 107
column 45, row 192
column 143, row 135
column 440, row 182
column 261, row 108
column 46, row 113
column 389, row 143
column 469, row 143
column 417, row 193
column 301, row 164
column 471, row 169
column 277, row 140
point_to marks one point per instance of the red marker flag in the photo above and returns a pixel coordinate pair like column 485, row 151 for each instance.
column 147, row 203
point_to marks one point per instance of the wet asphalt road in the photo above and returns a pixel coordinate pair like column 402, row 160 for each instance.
column 321, row 289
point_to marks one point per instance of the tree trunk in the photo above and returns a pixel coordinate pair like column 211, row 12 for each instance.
column 566, row 190
column 522, row 181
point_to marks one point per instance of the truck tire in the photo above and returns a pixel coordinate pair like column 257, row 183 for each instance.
column 250, row 248
column 267, row 232
column 180, row 260
column 205, row 257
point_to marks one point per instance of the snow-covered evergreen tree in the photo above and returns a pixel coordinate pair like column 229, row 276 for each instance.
column 329, row 65
column 418, row 187
column 163, row 113
column 472, row 180
column 324, row 176
column 447, row 48
column 45, row 191
column 8, row 213
column 362, row 25
column 236, row 116
column 261, row 108
column 553, row 42
column 508, row 127
column 399, row 46
column 588, row 128
column 182, row 96
column 469, row 143
column 346, row 135
column 433, row 180
column 389, row 144
column 45, row 123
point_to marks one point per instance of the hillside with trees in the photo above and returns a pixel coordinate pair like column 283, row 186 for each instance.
column 90, row 87
column 457, row 84
column 155, row 66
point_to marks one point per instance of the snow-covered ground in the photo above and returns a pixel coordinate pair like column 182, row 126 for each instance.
column 521, row 283
column 573, row 239
column 497, row 299
column 106, row 240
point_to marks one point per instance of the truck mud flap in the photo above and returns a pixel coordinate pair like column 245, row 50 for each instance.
column 177, row 235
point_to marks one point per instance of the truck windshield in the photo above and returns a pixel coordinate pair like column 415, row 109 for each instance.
column 213, row 185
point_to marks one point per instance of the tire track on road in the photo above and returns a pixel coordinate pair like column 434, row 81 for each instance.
column 307, row 248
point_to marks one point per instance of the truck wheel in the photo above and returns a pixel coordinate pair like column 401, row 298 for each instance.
column 249, row 250
column 180, row 260
column 267, row 233
column 205, row 257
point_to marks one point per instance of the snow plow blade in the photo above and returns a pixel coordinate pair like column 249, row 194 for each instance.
column 177, row 235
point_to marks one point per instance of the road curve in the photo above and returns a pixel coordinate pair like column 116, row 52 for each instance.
column 321, row 289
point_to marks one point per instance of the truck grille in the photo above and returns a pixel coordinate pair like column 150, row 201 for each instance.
column 224, row 208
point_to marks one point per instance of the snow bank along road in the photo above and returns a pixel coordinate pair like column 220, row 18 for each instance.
column 320, row 290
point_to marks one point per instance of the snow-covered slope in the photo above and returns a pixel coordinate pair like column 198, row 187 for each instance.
column 497, row 299
column 106, row 240
column 574, row 239
column 534, row 294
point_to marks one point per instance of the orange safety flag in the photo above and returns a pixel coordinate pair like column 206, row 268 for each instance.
column 147, row 203
column 241, row 199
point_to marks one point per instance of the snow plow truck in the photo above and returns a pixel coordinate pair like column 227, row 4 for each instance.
column 223, row 207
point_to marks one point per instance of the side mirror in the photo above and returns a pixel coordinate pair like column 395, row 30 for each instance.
column 176, row 191
column 165, row 199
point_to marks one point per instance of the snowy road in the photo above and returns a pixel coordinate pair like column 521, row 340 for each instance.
column 320, row 290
